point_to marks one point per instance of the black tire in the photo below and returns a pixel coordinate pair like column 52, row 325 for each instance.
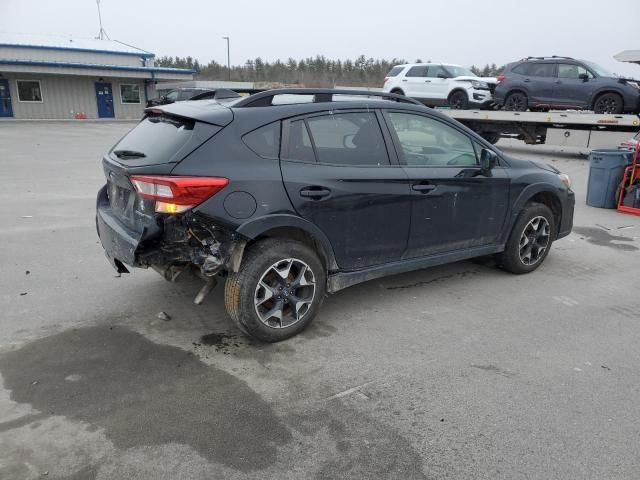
column 458, row 100
column 608, row 103
column 241, row 290
column 516, row 102
column 513, row 258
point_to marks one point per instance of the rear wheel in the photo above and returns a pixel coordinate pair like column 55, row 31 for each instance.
column 278, row 290
column 608, row 103
column 397, row 91
column 458, row 100
column 530, row 240
column 516, row 101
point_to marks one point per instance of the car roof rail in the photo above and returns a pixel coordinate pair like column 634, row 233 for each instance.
column 552, row 56
column 320, row 95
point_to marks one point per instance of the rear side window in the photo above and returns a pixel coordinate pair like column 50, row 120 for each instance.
column 265, row 141
column 394, row 71
column 535, row 69
column 521, row 69
column 348, row 139
column 300, row 147
column 420, row 71
column 155, row 140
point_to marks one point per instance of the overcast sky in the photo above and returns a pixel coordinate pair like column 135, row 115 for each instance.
column 455, row 31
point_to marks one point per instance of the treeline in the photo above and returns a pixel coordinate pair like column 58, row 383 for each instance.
column 488, row 70
column 309, row 72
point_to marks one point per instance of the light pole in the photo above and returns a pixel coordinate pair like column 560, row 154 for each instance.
column 228, row 58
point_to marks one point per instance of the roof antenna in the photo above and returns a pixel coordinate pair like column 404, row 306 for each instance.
column 103, row 32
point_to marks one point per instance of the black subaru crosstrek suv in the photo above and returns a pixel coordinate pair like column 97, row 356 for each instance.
column 290, row 201
column 541, row 83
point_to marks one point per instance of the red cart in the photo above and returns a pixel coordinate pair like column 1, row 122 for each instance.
column 629, row 191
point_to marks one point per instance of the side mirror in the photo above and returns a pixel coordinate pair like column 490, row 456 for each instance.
column 442, row 75
column 488, row 160
column 583, row 76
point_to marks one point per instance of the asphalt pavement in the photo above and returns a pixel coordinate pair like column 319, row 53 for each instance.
column 456, row 372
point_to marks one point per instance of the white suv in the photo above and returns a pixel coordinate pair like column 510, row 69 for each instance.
column 436, row 84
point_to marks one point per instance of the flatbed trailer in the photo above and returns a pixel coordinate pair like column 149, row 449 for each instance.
column 564, row 128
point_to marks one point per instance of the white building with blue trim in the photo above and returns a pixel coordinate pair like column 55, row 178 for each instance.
column 43, row 77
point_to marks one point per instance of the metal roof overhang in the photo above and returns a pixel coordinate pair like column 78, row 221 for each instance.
column 133, row 52
column 629, row 56
column 71, row 68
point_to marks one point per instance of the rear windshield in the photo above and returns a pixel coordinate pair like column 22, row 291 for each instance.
column 394, row 71
column 156, row 139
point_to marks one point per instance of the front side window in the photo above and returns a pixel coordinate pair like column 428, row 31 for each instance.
column 130, row 93
column 437, row 71
column 457, row 71
column 426, row 142
column 568, row 70
column 265, row 141
column 29, row 91
column 348, row 139
column 172, row 95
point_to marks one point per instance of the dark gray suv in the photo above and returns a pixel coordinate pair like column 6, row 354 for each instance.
column 540, row 83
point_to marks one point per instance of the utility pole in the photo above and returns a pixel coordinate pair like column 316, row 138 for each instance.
column 102, row 32
column 228, row 58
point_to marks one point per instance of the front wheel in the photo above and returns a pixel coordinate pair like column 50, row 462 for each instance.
column 530, row 240
column 608, row 103
column 278, row 290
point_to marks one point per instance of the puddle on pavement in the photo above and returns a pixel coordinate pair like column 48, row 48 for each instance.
column 601, row 237
column 143, row 393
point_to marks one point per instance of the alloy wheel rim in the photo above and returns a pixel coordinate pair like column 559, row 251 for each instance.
column 516, row 102
column 534, row 241
column 285, row 293
column 607, row 105
column 456, row 101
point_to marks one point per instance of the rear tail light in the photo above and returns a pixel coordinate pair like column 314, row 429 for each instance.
column 177, row 194
column 500, row 77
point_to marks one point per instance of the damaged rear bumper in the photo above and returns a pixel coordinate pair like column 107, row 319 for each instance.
column 175, row 243
column 119, row 242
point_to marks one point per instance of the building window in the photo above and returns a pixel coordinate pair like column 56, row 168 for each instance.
column 29, row 91
column 130, row 93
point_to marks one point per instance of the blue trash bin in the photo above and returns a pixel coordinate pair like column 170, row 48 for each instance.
column 606, row 168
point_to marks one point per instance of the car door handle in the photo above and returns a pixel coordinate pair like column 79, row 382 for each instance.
column 404, row 80
column 423, row 187
column 427, row 81
column 315, row 192
column 558, row 82
column 526, row 80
